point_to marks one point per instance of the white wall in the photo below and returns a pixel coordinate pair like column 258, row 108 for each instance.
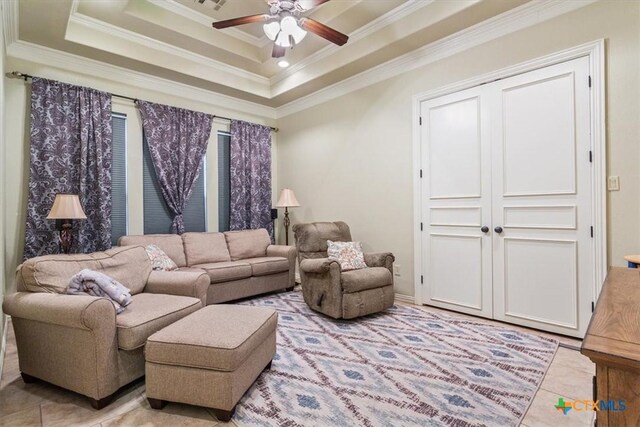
column 350, row 158
column 15, row 168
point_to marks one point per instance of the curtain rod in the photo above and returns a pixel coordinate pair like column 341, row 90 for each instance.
column 25, row 77
column 227, row 118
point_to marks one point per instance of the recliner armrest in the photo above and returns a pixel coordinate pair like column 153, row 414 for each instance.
column 75, row 311
column 183, row 283
column 380, row 259
column 318, row 265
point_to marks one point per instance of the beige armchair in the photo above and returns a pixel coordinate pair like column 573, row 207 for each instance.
column 329, row 290
column 78, row 342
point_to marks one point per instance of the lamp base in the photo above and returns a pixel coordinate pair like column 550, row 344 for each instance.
column 287, row 222
column 66, row 236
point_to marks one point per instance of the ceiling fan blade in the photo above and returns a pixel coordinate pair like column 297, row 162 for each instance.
column 240, row 21
column 323, row 31
column 278, row 51
column 310, row 4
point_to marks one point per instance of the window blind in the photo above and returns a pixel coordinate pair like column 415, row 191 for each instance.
column 224, row 180
column 157, row 216
column 119, row 178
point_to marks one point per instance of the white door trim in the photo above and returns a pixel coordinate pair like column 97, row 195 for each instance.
column 595, row 51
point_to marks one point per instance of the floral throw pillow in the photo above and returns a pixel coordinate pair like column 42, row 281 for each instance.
column 159, row 259
column 348, row 254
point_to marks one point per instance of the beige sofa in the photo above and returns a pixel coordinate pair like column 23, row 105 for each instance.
column 78, row 342
column 239, row 264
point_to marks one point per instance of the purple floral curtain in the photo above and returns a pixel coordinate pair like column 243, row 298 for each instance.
column 250, row 176
column 70, row 152
column 177, row 141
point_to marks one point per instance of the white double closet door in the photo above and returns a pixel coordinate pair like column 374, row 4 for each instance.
column 506, row 200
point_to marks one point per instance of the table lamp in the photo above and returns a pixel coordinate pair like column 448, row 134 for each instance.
column 287, row 200
column 66, row 207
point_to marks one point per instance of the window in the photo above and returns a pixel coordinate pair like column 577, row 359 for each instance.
column 224, row 180
column 157, row 216
column 119, row 178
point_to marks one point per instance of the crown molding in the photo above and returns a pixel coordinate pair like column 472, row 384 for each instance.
column 214, row 71
column 9, row 21
column 509, row 22
column 203, row 19
column 394, row 15
column 80, row 65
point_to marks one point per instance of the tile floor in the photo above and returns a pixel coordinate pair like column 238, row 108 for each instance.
column 41, row 404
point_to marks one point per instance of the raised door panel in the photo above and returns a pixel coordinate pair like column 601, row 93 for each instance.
column 540, row 281
column 538, row 137
column 452, row 281
column 455, row 148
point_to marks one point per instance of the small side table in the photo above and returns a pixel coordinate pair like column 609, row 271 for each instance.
column 632, row 260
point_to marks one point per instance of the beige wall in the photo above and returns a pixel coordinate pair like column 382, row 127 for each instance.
column 2, row 191
column 351, row 158
column 16, row 164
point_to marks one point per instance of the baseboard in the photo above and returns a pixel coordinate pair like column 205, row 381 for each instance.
column 405, row 298
column 3, row 343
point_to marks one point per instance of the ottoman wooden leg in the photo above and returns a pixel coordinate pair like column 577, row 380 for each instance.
column 156, row 403
column 223, row 415
column 266, row 368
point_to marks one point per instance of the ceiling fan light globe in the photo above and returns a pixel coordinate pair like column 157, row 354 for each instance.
column 271, row 29
column 298, row 34
column 288, row 24
column 283, row 40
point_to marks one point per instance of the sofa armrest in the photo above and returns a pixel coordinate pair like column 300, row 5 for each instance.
column 67, row 340
column 319, row 265
column 75, row 311
column 380, row 259
column 290, row 253
column 184, row 283
column 283, row 251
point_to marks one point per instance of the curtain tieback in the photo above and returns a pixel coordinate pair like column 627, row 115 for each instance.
column 177, row 226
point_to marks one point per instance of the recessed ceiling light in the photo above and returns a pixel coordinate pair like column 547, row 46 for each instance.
column 283, row 64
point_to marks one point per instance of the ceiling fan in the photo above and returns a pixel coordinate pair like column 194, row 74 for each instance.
column 285, row 25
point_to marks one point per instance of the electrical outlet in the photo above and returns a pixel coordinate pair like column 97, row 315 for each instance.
column 396, row 270
column 613, row 183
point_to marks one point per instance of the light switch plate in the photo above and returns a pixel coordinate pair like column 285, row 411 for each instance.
column 396, row 270
column 613, row 183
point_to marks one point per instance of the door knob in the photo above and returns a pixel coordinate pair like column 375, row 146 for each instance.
column 484, row 229
column 498, row 229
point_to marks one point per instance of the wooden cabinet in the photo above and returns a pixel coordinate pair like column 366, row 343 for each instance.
column 612, row 342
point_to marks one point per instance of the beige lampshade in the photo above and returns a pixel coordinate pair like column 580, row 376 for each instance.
column 287, row 199
column 66, row 206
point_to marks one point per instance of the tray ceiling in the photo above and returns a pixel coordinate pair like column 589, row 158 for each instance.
column 174, row 39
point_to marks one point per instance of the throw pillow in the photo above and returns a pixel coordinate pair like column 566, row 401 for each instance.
column 348, row 254
column 159, row 259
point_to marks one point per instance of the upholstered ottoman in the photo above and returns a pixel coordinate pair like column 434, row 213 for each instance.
column 211, row 357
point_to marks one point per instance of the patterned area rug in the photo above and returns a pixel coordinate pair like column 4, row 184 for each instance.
column 401, row 367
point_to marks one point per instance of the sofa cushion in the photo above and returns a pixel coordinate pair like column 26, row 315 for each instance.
column 366, row 278
column 171, row 244
column 247, row 243
column 202, row 248
column 148, row 313
column 51, row 273
column 226, row 271
column 189, row 342
column 267, row 265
